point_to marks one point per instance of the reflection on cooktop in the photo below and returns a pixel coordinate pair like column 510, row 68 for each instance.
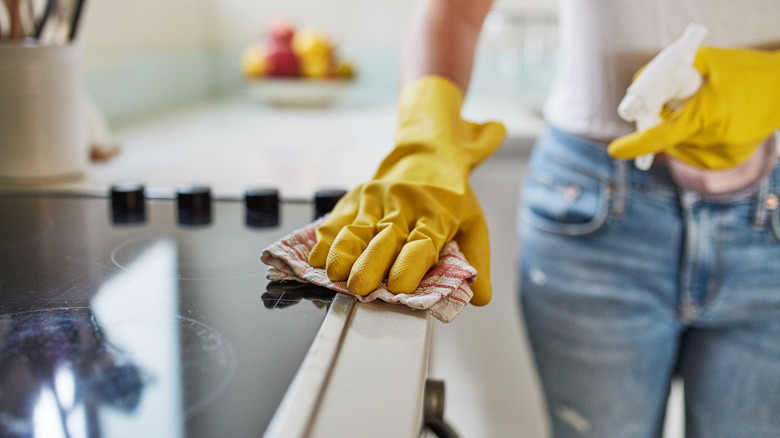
column 195, row 254
column 57, row 364
column 208, row 363
column 282, row 294
column 150, row 328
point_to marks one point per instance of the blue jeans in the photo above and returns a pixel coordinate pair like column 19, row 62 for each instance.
column 628, row 281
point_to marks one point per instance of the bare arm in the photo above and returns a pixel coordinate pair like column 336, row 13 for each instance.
column 442, row 39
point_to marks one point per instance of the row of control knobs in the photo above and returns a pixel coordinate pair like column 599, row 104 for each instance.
column 261, row 205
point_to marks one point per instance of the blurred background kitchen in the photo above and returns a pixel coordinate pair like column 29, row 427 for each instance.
column 166, row 76
column 147, row 55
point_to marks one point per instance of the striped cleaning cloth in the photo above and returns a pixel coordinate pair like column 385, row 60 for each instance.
column 444, row 291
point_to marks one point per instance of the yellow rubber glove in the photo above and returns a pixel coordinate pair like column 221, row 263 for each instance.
column 734, row 111
column 419, row 199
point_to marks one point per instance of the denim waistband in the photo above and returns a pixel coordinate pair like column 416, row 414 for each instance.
column 591, row 156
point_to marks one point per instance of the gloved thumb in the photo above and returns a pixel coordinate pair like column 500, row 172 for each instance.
column 483, row 140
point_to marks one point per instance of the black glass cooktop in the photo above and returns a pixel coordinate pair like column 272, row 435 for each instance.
column 158, row 324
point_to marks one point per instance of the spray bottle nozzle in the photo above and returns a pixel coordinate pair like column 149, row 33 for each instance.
column 669, row 76
column 631, row 107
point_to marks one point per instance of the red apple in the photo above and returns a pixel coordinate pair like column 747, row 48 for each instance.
column 280, row 30
column 281, row 61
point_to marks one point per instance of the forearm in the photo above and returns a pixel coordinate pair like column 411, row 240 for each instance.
column 442, row 39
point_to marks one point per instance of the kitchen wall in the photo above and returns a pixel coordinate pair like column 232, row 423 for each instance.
column 147, row 55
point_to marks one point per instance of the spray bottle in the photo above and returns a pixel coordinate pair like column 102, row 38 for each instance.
column 669, row 79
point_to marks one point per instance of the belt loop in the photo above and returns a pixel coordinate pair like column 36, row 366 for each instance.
column 760, row 209
column 620, row 187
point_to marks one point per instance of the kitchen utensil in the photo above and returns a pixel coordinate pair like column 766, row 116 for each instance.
column 17, row 31
column 75, row 19
column 57, row 28
column 5, row 21
column 47, row 11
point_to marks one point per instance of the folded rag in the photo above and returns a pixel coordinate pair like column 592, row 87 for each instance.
column 444, row 290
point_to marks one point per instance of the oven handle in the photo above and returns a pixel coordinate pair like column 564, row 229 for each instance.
column 433, row 410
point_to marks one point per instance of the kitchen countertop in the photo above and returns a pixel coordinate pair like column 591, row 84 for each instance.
column 234, row 143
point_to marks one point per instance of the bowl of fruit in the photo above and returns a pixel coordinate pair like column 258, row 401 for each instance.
column 295, row 67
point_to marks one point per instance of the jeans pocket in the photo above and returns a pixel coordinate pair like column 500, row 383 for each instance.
column 572, row 204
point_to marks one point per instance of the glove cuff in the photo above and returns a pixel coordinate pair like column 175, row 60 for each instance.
column 430, row 92
column 429, row 115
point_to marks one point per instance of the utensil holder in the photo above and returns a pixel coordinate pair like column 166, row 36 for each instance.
column 43, row 132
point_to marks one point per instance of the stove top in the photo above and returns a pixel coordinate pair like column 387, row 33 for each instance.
column 127, row 316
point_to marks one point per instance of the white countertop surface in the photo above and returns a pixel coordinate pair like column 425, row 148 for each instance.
column 237, row 143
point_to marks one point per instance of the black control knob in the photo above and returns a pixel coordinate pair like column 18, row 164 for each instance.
column 194, row 204
column 261, row 207
column 128, row 202
column 325, row 200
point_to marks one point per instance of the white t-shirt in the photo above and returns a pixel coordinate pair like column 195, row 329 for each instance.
column 604, row 42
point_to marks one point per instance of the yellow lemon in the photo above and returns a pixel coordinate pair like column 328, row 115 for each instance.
column 253, row 62
column 315, row 51
column 345, row 70
column 310, row 41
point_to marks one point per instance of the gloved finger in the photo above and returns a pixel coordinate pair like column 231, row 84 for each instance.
column 373, row 265
column 421, row 250
column 702, row 60
column 634, row 145
column 414, row 260
column 318, row 256
column 343, row 214
column 356, row 207
column 675, row 128
column 346, row 248
column 486, row 138
column 474, row 243
column 354, row 238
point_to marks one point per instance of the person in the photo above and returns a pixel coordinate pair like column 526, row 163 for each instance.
column 629, row 277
